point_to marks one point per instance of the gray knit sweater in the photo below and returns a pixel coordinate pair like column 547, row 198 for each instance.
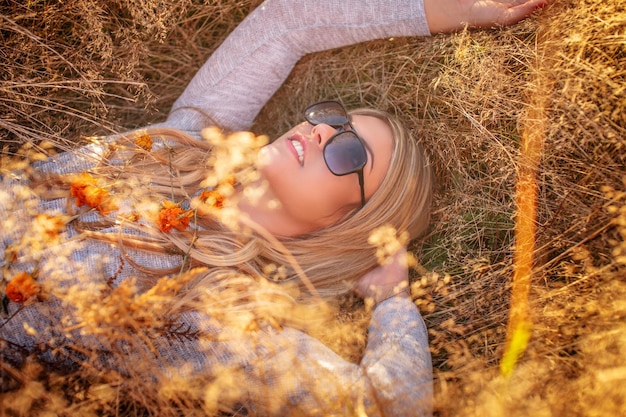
column 394, row 377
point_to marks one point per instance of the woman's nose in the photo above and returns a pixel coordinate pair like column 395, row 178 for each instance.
column 322, row 133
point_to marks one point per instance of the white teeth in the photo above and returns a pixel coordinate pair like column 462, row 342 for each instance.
column 299, row 149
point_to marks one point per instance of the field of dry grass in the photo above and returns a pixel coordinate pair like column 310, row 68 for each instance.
column 480, row 101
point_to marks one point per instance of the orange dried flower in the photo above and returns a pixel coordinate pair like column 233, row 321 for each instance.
column 144, row 142
column 21, row 288
column 87, row 192
column 213, row 199
column 172, row 216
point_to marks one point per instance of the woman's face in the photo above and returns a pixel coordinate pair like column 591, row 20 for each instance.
column 309, row 196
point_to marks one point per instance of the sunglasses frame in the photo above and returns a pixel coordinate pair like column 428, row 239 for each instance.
column 341, row 127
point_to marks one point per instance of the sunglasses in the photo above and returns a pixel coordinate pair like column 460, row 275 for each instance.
column 344, row 153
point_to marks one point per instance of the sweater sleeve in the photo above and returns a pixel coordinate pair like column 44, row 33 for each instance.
column 397, row 359
column 394, row 377
column 244, row 72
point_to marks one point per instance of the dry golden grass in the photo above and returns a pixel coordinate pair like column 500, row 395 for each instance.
column 469, row 96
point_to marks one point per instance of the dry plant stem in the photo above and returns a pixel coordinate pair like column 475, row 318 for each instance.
column 533, row 138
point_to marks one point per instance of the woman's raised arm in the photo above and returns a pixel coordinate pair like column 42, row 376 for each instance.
column 245, row 71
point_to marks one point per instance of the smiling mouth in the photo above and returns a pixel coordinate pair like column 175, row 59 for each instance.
column 299, row 149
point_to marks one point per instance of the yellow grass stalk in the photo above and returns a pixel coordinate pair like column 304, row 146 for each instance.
column 519, row 326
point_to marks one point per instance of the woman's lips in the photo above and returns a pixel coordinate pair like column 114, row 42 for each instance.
column 298, row 147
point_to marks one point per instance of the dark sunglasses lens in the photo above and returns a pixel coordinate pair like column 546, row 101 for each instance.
column 345, row 154
column 328, row 112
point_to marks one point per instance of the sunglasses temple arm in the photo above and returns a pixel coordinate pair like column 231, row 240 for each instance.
column 361, row 184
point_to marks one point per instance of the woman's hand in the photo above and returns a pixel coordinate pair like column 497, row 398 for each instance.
column 386, row 281
column 451, row 15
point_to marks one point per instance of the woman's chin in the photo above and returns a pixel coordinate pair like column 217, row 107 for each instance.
column 265, row 157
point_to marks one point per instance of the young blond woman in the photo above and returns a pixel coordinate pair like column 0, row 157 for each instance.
column 249, row 250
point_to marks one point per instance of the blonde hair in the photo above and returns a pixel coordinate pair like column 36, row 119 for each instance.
column 331, row 259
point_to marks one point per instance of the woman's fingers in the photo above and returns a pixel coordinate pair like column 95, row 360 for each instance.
column 520, row 11
column 452, row 15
